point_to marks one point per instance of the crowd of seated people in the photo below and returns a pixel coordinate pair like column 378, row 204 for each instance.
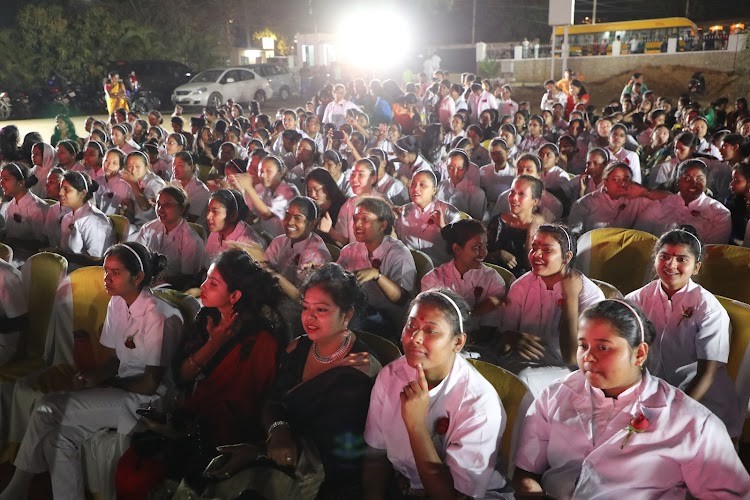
column 441, row 219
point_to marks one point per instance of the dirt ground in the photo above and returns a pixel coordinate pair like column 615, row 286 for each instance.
column 668, row 81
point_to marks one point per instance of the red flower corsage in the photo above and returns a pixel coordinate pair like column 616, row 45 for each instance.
column 441, row 425
column 638, row 424
column 375, row 263
column 687, row 313
column 129, row 342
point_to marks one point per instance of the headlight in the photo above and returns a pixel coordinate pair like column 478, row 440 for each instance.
column 201, row 90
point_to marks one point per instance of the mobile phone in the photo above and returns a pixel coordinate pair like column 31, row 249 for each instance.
column 216, row 464
column 338, row 135
column 152, row 414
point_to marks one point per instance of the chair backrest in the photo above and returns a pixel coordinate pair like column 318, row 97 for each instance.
column 726, row 271
column 187, row 304
column 121, row 226
column 384, row 349
column 50, row 201
column 610, row 292
column 198, row 229
column 6, row 252
column 42, row 274
column 516, row 399
column 464, row 215
column 90, row 301
column 507, row 276
column 334, row 251
column 621, row 257
column 423, row 263
column 738, row 365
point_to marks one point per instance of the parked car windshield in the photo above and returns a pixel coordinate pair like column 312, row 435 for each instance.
column 209, row 76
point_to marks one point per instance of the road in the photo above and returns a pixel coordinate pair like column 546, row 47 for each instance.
column 46, row 126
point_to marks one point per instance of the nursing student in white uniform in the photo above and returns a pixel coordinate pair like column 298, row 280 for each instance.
column 435, row 424
column 618, row 203
column 409, row 158
column 362, row 180
column 24, row 213
column 307, row 158
column 339, row 170
column 540, row 316
column 420, row 221
column 690, row 205
column 113, row 189
column 591, row 178
column 184, row 171
column 270, row 200
column 226, row 216
column 496, row 177
column 685, row 145
column 85, row 232
column 382, row 264
column 457, row 189
column 549, row 206
column 13, row 309
column 145, row 186
column 618, row 137
column 612, row 430
column 390, row 187
column 43, row 158
column 481, row 287
column 55, row 213
column 691, row 347
column 294, row 255
column 553, row 177
column 141, row 334
column 170, row 235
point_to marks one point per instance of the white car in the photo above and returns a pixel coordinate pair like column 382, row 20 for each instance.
column 214, row 87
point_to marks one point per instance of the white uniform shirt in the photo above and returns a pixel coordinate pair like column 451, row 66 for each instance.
column 24, row 218
column 572, row 188
column 111, row 193
column 297, row 174
column 155, row 327
column 408, row 171
column 295, row 261
column 393, row 190
column 555, row 178
column 710, row 218
column 198, row 196
column 243, row 233
column 707, row 148
column 495, row 182
column 343, row 184
column 465, row 196
column 598, row 209
column 470, row 447
column 346, row 215
column 474, row 286
column 396, row 263
column 86, row 231
column 183, row 247
column 416, row 231
column 12, row 305
column 684, row 447
column 336, row 112
column 531, row 308
column 662, row 172
column 277, row 201
column 549, row 103
column 530, row 144
column 53, row 223
column 691, row 326
column 151, row 184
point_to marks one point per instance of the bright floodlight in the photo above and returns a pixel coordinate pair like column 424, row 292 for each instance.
column 375, row 38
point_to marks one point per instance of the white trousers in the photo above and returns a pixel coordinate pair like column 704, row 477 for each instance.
column 57, row 429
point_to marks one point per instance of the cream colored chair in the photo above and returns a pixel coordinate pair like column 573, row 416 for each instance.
column 424, row 265
column 738, row 364
column 609, row 291
column 6, row 252
column 507, row 275
column 121, row 226
column 621, row 257
column 199, row 229
column 334, row 251
column 384, row 349
column 726, row 271
column 516, row 399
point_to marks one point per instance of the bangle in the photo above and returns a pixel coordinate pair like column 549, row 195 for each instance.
column 194, row 363
column 377, row 277
column 278, row 423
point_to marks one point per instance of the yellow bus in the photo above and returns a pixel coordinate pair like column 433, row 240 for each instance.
column 596, row 39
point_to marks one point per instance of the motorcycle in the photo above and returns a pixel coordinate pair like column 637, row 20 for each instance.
column 141, row 100
column 5, row 106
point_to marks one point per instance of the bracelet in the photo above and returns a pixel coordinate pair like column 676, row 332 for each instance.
column 278, row 423
column 194, row 363
column 377, row 277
